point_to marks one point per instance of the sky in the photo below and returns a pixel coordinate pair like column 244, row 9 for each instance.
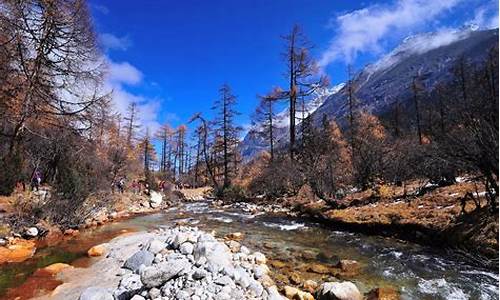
column 172, row 56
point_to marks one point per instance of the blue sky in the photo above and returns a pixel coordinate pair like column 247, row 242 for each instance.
column 172, row 56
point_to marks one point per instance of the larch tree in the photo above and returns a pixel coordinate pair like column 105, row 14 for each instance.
column 132, row 123
column 56, row 62
column 226, row 131
column 302, row 75
column 264, row 116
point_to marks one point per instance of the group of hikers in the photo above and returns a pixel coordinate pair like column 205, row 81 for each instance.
column 35, row 182
column 137, row 186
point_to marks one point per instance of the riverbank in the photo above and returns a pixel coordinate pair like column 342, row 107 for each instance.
column 187, row 263
column 297, row 252
column 434, row 217
column 21, row 234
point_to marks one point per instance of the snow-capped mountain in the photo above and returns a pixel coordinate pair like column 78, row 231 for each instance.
column 254, row 141
column 431, row 56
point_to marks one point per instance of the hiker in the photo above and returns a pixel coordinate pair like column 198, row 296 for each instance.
column 121, row 185
column 135, row 187
column 36, row 180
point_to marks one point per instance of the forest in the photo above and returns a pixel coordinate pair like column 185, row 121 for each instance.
column 60, row 132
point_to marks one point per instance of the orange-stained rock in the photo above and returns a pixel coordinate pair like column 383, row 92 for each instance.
column 383, row 293
column 350, row 267
column 235, row 236
column 17, row 250
column 71, row 232
column 56, row 268
column 310, row 286
column 98, row 250
column 52, row 237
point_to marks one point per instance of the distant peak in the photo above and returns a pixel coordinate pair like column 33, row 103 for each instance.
column 419, row 44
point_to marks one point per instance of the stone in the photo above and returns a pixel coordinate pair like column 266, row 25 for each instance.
column 17, row 250
column 383, row 293
column 273, row 293
column 155, row 200
column 338, row 291
column 260, row 258
column 244, row 250
column 98, row 250
column 154, row 293
column 319, row 269
column 71, row 232
column 234, row 246
column 141, row 257
column 96, row 293
column 131, row 282
column 3, row 242
column 199, row 274
column 295, row 278
column 186, row 248
column 156, row 275
column 216, row 253
column 290, row 291
column 256, row 288
column 277, row 264
column 349, row 267
column 138, row 297
column 303, row 296
column 310, row 285
column 179, row 239
column 56, row 268
column 260, row 271
column 32, row 232
column 155, row 246
column 235, row 236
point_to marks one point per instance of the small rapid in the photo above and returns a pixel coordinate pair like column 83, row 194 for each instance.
column 418, row 272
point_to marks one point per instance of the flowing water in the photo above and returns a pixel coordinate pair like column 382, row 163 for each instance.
column 418, row 272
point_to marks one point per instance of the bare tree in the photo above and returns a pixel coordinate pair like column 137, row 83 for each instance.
column 302, row 73
column 264, row 117
column 57, row 64
column 226, row 130
column 132, row 122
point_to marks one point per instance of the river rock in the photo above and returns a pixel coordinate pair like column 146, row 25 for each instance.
column 383, row 293
column 259, row 258
column 319, row 268
column 141, row 257
column 195, row 265
column 155, row 200
column 31, row 232
column 97, row 250
column 235, row 236
column 234, row 246
column 338, row 291
column 154, row 276
column 186, row 248
column 96, row 293
column 56, row 268
column 349, row 267
column 310, row 285
column 290, row 291
column 155, row 246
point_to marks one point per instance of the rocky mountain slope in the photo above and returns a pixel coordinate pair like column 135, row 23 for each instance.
column 431, row 56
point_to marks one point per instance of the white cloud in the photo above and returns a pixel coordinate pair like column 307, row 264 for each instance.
column 486, row 16
column 363, row 30
column 124, row 73
column 419, row 44
column 112, row 42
